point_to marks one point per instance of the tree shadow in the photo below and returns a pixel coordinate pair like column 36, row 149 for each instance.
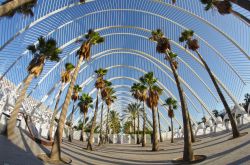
column 241, row 161
column 12, row 154
column 112, row 160
column 219, row 154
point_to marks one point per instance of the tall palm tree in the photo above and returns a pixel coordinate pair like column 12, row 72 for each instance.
column 104, row 95
column 154, row 93
column 172, row 105
column 136, row 93
column 85, row 102
column 109, row 100
column 92, row 38
column 45, row 50
column 99, row 84
column 163, row 46
column 114, row 121
column 225, row 7
column 10, row 7
column 143, row 98
column 192, row 44
column 74, row 98
column 131, row 113
column 65, row 78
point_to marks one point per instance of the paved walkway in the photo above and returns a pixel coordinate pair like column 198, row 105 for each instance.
column 218, row 149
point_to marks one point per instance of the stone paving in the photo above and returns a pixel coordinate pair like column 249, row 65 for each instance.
column 218, row 149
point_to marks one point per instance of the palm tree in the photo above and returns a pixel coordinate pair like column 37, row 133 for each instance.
column 114, row 121
column 127, row 126
column 45, row 50
column 65, row 78
column 192, row 44
column 172, row 105
column 143, row 98
column 131, row 113
column 10, row 7
column 99, row 84
column 136, row 93
column 135, row 89
column 104, row 95
column 109, row 100
column 225, row 7
column 74, row 98
column 85, row 102
column 163, row 46
column 154, row 93
column 92, row 38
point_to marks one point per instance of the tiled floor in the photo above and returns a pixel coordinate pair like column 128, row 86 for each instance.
column 218, row 149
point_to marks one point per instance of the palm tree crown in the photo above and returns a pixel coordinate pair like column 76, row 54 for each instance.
column 100, row 83
column 131, row 111
column 223, row 7
column 104, row 91
column 85, row 102
column 163, row 43
column 172, row 104
column 114, row 121
column 76, row 91
column 45, row 50
column 186, row 36
column 65, row 77
column 135, row 89
column 92, row 38
column 110, row 98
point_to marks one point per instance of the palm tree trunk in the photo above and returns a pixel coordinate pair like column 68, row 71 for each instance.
column 56, row 148
column 134, row 128
column 188, row 154
column 82, row 135
column 54, row 115
column 101, row 138
column 107, row 128
column 155, row 146
column 242, row 3
column 91, row 136
column 241, row 17
column 138, row 128
column 159, row 122
column 144, row 127
column 11, row 125
column 172, row 131
column 71, row 123
column 191, row 129
column 235, row 130
column 4, row 9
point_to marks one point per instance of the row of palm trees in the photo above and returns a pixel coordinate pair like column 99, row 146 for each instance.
column 163, row 46
column 130, row 114
column 145, row 92
column 48, row 50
